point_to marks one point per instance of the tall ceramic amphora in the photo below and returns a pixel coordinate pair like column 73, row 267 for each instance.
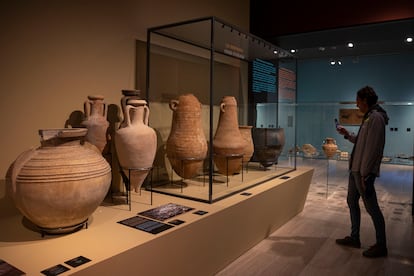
column 128, row 94
column 228, row 143
column 246, row 133
column 60, row 184
column 329, row 147
column 136, row 143
column 96, row 123
column 186, row 143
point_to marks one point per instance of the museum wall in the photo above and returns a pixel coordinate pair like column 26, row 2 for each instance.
column 322, row 87
column 55, row 53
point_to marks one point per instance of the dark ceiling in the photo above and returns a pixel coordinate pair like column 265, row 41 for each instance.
column 319, row 30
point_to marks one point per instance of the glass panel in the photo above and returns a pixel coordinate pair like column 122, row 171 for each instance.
column 218, row 65
column 316, row 122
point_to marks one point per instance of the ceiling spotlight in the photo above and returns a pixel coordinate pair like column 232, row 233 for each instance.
column 339, row 62
column 409, row 39
column 350, row 45
column 275, row 52
column 293, row 51
column 332, row 62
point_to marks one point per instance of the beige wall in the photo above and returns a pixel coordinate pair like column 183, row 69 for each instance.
column 55, row 53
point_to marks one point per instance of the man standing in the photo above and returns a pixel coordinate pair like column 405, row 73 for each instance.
column 364, row 167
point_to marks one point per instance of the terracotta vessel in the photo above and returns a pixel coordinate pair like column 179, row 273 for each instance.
column 96, row 123
column 126, row 95
column 329, row 147
column 246, row 133
column 136, row 143
column 60, row 184
column 228, row 144
column 186, row 144
column 268, row 144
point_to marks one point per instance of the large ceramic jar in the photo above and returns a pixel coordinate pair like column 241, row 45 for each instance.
column 96, row 123
column 60, row 184
column 128, row 94
column 136, row 143
column 329, row 147
column 186, row 144
column 268, row 145
column 228, row 143
column 246, row 133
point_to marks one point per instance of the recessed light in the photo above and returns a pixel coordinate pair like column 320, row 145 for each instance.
column 275, row 52
column 409, row 39
column 293, row 51
column 350, row 45
column 332, row 62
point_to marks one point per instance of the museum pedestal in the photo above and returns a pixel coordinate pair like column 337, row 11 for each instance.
column 202, row 245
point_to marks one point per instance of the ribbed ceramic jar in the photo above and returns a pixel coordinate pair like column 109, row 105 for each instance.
column 246, row 133
column 186, row 144
column 136, row 143
column 60, row 184
column 329, row 147
column 228, row 144
column 96, row 123
column 268, row 144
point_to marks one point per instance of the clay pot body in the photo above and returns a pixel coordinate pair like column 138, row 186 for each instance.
column 186, row 144
column 95, row 122
column 246, row 133
column 268, row 144
column 60, row 184
column 228, row 144
column 126, row 95
column 136, row 143
column 329, row 147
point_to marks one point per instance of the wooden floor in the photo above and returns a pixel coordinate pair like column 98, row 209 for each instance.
column 306, row 244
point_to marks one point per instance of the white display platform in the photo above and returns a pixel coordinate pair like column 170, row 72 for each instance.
column 203, row 245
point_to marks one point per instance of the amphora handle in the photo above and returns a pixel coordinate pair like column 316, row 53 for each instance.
column 173, row 104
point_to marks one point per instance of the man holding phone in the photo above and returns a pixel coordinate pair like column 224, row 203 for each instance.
column 364, row 166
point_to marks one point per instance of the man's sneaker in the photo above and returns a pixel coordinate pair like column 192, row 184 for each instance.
column 376, row 251
column 350, row 242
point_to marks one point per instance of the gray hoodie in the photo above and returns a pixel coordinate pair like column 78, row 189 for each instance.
column 369, row 143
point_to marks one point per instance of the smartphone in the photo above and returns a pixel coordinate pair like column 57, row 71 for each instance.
column 336, row 123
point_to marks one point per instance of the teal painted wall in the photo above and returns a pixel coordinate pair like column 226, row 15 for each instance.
column 321, row 87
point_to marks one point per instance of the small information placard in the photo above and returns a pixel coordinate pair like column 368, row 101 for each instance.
column 55, row 270
column 144, row 224
column 200, row 212
column 8, row 269
column 75, row 262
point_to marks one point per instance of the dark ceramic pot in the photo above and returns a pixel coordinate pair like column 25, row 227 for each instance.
column 268, row 144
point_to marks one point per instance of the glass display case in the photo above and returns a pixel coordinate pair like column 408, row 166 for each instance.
column 316, row 123
column 222, row 103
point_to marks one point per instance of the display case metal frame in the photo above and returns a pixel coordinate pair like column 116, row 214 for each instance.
column 217, row 38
